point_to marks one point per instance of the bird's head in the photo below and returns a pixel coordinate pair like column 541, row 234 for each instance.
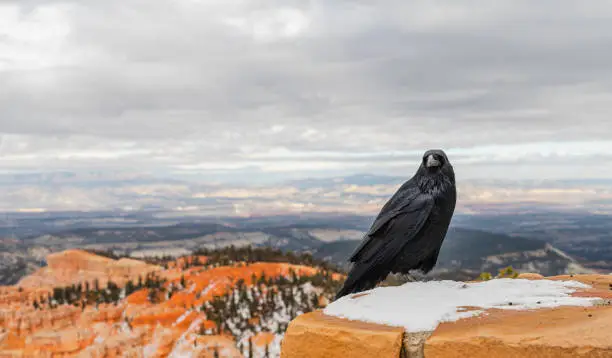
column 436, row 169
column 434, row 160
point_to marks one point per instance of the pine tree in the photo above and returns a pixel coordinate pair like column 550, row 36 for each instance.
column 294, row 276
column 66, row 294
column 315, row 301
column 58, row 295
column 262, row 279
column 129, row 288
column 115, row 291
column 152, row 296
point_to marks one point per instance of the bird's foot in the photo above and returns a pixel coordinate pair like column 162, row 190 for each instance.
column 396, row 279
column 418, row 275
column 409, row 278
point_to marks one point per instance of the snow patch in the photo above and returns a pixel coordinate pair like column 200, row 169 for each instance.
column 150, row 350
column 182, row 317
column 183, row 347
column 421, row 306
column 208, row 288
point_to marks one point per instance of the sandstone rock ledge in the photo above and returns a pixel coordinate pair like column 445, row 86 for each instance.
column 317, row 335
column 559, row 332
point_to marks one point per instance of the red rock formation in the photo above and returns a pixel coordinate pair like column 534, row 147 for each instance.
column 67, row 341
column 133, row 327
column 77, row 266
column 205, row 347
column 181, row 262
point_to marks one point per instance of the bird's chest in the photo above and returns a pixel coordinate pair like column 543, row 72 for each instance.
column 437, row 224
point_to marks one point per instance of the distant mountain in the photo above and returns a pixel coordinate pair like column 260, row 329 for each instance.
column 467, row 253
column 17, row 260
column 583, row 235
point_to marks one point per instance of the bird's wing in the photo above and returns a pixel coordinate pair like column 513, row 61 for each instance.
column 405, row 219
column 402, row 197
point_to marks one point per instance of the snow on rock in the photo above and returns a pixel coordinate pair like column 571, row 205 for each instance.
column 421, row 306
column 150, row 349
column 182, row 317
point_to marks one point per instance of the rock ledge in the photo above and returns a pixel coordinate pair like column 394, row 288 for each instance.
column 564, row 331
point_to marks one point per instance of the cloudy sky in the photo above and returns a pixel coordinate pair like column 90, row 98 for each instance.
column 245, row 89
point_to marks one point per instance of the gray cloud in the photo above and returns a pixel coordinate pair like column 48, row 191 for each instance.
column 253, row 86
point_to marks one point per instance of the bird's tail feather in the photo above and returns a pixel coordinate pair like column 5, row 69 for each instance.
column 360, row 278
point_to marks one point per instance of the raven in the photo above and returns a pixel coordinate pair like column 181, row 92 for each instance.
column 409, row 230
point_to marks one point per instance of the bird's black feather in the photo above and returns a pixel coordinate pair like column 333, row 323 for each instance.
column 409, row 230
column 400, row 227
column 402, row 198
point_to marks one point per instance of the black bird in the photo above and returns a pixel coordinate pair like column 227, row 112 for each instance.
column 409, row 230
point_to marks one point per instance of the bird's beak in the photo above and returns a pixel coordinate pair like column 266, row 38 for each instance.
column 432, row 162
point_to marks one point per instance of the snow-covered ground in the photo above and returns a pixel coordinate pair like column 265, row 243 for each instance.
column 421, row 306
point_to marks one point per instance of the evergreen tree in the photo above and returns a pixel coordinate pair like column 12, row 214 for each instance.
column 314, row 301
column 114, row 291
column 262, row 279
column 152, row 296
column 58, row 295
column 66, row 294
column 129, row 288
